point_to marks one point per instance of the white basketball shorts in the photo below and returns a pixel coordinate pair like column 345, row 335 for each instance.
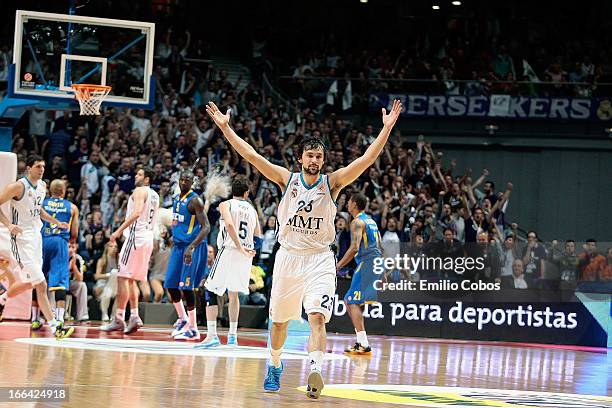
column 134, row 260
column 298, row 281
column 25, row 255
column 231, row 271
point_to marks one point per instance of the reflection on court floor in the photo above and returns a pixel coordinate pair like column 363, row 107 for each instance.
column 146, row 369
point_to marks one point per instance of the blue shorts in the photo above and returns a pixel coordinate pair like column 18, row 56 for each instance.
column 362, row 285
column 56, row 262
column 188, row 277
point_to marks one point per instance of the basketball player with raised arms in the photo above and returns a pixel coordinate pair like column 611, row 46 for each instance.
column 239, row 236
column 138, row 231
column 305, row 267
column 365, row 247
column 24, row 233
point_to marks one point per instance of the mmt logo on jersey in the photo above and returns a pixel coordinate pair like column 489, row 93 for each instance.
column 310, row 223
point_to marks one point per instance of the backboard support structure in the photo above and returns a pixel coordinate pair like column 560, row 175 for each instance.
column 54, row 51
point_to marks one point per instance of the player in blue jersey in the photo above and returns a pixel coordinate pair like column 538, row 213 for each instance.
column 365, row 247
column 56, row 260
column 188, row 259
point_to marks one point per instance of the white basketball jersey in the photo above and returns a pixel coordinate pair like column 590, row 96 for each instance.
column 26, row 210
column 244, row 218
column 142, row 229
column 306, row 215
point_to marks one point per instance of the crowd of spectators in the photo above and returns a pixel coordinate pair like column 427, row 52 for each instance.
column 455, row 54
column 420, row 202
column 453, row 69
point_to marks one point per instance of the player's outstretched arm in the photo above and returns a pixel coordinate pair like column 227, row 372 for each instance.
column 272, row 172
column 139, row 196
column 357, row 227
column 346, row 175
column 13, row 190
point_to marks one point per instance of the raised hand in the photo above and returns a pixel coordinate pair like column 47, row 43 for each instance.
column 390, row 118
column 220, row 119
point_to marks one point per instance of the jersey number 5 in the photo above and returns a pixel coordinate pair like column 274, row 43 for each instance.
column 242, row 231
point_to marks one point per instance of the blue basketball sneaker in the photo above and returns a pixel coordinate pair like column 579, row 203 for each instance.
column 179, row 327
column 208, row 343
column 232, row 340
column 272, row 380
column 190, row 334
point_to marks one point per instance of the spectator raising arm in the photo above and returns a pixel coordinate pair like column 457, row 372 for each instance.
column 481, row 179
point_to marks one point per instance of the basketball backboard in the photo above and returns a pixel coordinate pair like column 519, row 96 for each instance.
column 53, row 51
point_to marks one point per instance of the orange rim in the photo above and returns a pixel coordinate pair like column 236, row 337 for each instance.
column 85, row 92
column 91, row 87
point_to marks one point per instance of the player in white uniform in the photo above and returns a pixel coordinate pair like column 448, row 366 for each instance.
column 239, row 235
column 138, row 233
column 304, row 271
column 23, row 234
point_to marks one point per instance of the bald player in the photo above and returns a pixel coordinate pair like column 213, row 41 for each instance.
column 56, row 260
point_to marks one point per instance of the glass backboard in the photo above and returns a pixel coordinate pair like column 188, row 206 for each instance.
column 53, row 51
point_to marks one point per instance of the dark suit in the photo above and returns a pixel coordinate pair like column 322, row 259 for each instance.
column 507, row 282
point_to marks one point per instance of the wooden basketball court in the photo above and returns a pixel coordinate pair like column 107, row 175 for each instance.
column 148, row 369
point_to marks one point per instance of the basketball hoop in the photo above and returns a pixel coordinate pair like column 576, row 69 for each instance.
column 90, row 97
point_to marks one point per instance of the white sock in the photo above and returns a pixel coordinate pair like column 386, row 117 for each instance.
column 316, row 360
column 180, row 310
column 3, row 298
column 193, row 320
column 34, row 313
column 53, row 323
column 134, row 313
column 120, row 314
column 59, row 314
column 233, row 329
column 211, row 328
column 362, row 338
column 275, row 357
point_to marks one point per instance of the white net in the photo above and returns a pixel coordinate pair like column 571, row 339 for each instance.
column 90, row 97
